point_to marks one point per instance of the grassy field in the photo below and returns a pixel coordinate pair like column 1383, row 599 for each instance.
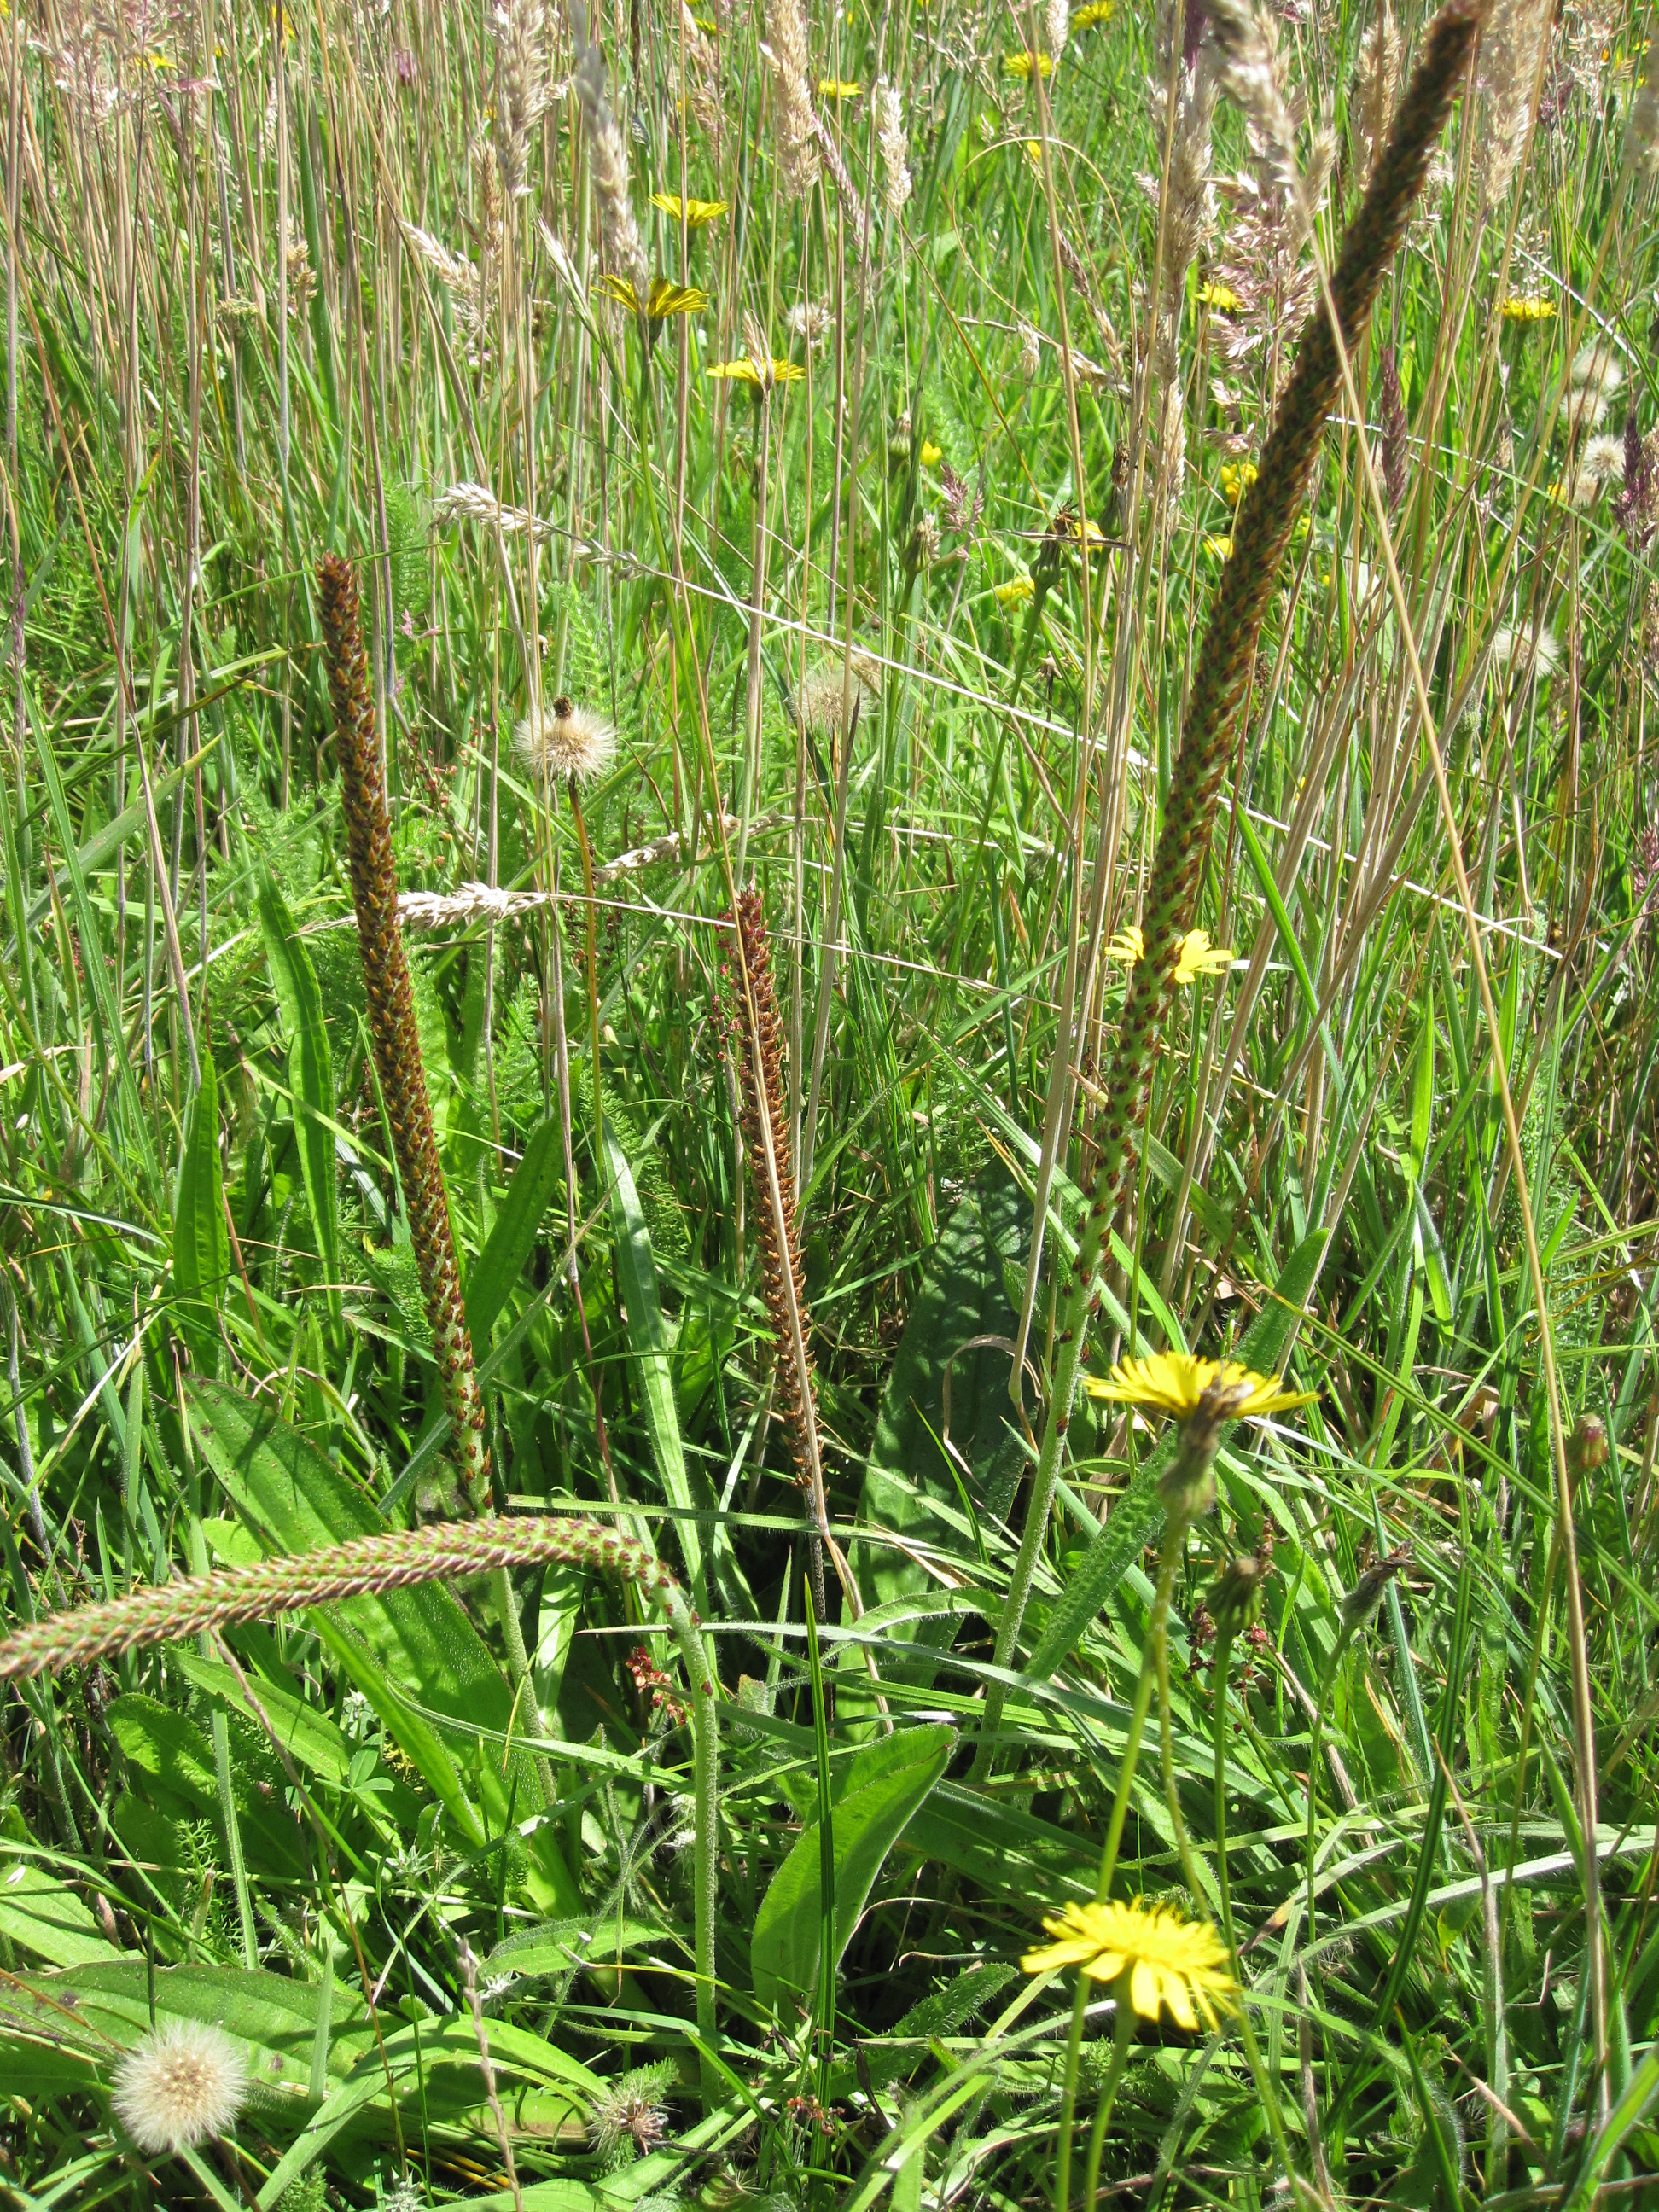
column 745, row 787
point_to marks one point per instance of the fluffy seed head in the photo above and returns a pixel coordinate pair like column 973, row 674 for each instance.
column 890, row 130
column 607, row 160
column 179, row 2085
column 788, row 52
column 563, row 743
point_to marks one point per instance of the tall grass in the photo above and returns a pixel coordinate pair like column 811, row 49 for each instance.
column 675, row 1831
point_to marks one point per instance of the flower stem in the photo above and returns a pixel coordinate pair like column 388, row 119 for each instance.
column 1123, row 2036
column 706, row 1761
column 1173, row 1541
column 1223, row 1648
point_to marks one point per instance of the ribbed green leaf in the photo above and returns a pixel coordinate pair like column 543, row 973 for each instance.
column 310, row 1074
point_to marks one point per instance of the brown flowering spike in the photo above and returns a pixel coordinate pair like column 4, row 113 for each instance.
column 391, row 1016
column 1221, row 676
column 760, row 1087
column 442, row 1551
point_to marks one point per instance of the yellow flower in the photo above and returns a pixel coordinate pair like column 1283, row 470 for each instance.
column 1128, row 946
column 1165, row 1959
column 931, row 456
column 1528, row 307
column 1015, row 591
column 708, row 26
column 1175, row 1384
column 835, row 88
column 1200, row 957
column 697, row 212
column 664, row 298
column 1218, row 549
column 1237, row 477
column 1097, row 11
column 759, row 373
column 1021, row 65
column 1221, row 297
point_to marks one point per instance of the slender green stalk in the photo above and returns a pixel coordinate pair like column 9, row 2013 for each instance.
column 1173, row 1540
column 1123, row 2036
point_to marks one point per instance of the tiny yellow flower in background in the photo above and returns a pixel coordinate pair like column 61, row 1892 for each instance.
column 1221, row 297
column 1528, row 307
column 1218, row 549
column 1200, row 957
column 1097, row 11
column 1237, row 477
column 1015, row 591
column 835, row 88
column 931, row 455
column 664, row 298
column 1021, row 65
column 697, row 212
column 1128, row 946
column 1177, row 1383
column 1165, row 1959
column 759, row 373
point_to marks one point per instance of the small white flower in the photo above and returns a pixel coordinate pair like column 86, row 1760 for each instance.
column 179, row 2085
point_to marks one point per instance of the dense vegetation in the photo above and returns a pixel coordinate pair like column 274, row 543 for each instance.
column 778, row 471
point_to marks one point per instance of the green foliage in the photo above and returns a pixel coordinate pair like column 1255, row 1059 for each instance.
column 221, row 1350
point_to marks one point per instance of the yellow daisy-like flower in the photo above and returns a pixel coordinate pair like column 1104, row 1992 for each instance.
column 1097, row 11
column 1015, row 591
column 1237, row 477
column 664, row 298
column 1221, row 297
column 1177, row 1383
column 835, row 88
column 759, row 373
column 1200, row 957
column 1218, row 549
column 1528, row 307
column 696, row 212
column 930, row 456
column 1021, row 65
column 1165, row 1959
column 1197, row 956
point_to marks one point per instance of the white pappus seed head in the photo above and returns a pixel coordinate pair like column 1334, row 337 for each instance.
column 563, row 743
column 183, row 2083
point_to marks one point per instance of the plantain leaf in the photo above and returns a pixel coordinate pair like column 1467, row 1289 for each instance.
column 647, row 1338
column 310, row 1074
column 921, row 1461
column 201, row 1250
column 880, row 1792
column 489, row 1282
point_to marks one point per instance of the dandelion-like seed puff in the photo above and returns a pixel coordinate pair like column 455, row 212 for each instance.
column 564, row 744
column 1157, row 1958
column 180, row 2085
